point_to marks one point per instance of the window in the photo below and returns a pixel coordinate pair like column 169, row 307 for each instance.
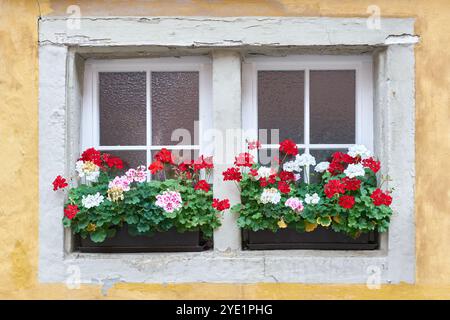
column 133, row 108
column 323, row 103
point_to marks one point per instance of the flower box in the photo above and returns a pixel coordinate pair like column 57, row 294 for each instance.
column 113, row 210
column 320, row 239
column 124, row 242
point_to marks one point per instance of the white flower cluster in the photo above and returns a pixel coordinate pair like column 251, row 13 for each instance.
column 355, row 170
column 265, row 172
column 299, row 162
column 322, row 166
column 92, row 200
column 359, row 150
column 87, row 169
column 270, row 195
column 312, row 199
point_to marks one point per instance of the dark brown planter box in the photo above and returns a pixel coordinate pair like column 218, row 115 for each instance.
column 319, row 239
column 123, row 242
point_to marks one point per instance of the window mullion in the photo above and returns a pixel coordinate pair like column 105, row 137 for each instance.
column 306, row 120
column 149, row 120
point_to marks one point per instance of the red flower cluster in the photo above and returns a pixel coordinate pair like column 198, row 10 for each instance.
column 244, row 159
column 372, row 164
column 253, row 145
column 284, row 187
column 221, row 205
column 351, row 184
column 347, row 202
column 71, row 211
column 156, row 166
column 287, row 176
column 164, row 156
column 338, row 162
column 232, row 174
column 334, row 187
column 196, row 165
column 113, row 161
column 253, row 172
column 202, row 185
column 381, row 198
column 264, row 182
column 59, row 183
column 92, row 155
column 289, row 147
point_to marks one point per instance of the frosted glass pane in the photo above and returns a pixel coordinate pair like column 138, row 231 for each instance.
column 332, row 106
column 281, row 104
column 131, row 158
column 122, row 104
column 175, row 103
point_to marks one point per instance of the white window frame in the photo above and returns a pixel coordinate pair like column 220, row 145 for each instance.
column 362, row 64
column 90, row 121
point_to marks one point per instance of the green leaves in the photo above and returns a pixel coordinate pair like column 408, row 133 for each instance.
column 139, row 211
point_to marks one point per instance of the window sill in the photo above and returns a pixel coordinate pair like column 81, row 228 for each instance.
column 305, row 266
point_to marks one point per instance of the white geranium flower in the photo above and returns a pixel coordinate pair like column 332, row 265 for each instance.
column 354, row 170
column 297, row 176
column 265, row 172
column 305, row 160
column 87, row 169
column 322, row 166
column 92, row 200
column 359, row 150
column 270, row 195
column 312, row 199
column 292, row 166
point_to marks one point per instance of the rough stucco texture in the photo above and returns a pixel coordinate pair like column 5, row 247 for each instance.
column 19, row 145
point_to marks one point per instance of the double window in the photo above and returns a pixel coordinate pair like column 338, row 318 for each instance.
column 133, row 108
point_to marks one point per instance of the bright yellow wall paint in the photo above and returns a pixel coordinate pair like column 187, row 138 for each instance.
column 19, row 145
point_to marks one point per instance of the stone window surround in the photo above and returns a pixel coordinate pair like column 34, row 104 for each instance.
column 61, row 58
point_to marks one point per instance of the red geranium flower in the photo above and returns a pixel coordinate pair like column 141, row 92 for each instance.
column 272, row 178
column 372, row 164
column 156, row 166
column 164, row 156
column 202, row 163
column 253, row 172
column 59, row 183
column 252, row 145
column 221, row 205
column 113, row 161
column 244, row 159
column 71, row 211
column 347, row 202
column 343, row 157
column 335, row 168
column 92, row 155
column 263, row 182
column 287, row 176
column 381, row 198
column 352, row 184
column 202, row 185
column 334, row 187
column 232, row 174
column 284, row 187
column 289, row 147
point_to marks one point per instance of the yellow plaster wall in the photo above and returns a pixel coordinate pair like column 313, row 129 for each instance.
column 19, row 145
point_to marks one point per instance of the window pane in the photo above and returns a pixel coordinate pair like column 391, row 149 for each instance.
column 281, row 104
column 131, row 158
column 175, row 104
column 122, row 104
column 321, row 155
column 332, row 106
